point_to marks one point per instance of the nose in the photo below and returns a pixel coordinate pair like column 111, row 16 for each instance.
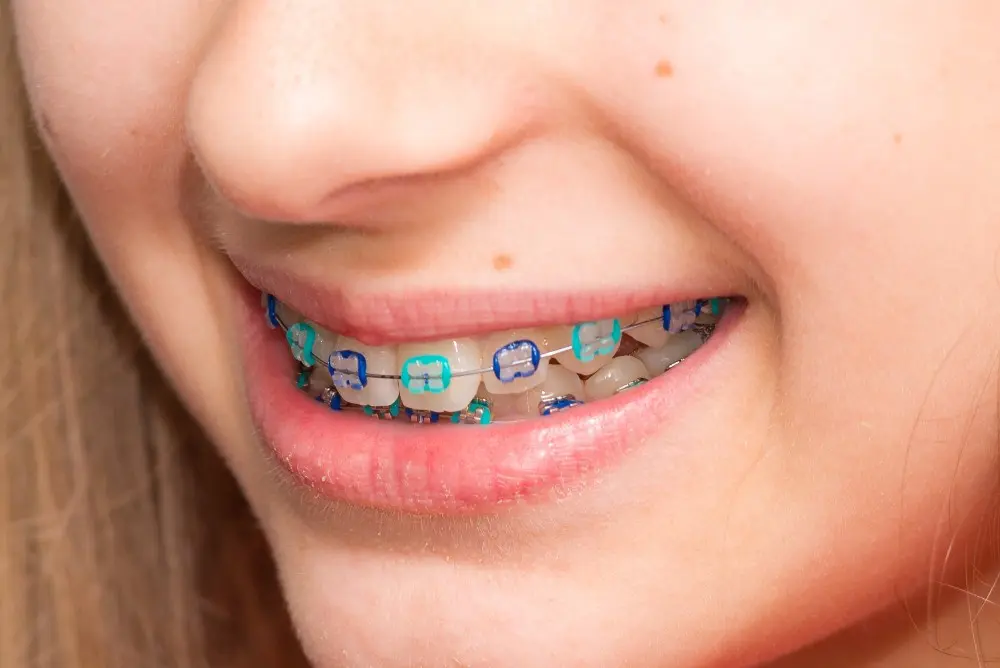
column 295, row 106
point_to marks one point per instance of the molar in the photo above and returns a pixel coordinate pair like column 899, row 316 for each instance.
column 675, row 349
column 652, row 334
column 429, row 374
column 618, row 375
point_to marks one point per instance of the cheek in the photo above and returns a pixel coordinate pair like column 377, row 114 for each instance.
column 105, row 98
column 824, row 134
column 106, row 101
column 851, row 152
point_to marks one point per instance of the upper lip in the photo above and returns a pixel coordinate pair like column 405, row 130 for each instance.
column 387, row 318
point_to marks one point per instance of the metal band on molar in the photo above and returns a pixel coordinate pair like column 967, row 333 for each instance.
column 635, row 383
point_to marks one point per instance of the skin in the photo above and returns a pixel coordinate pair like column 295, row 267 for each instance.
column 835, row 162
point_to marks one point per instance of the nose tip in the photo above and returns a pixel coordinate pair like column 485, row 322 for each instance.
column 290, row 109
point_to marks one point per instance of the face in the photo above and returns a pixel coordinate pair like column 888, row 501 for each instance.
column 411, row 179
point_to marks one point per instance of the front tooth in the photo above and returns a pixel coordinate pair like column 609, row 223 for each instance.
column 429, row 374
column 652, row 333
column 675, row 349
column 620, row 374
column 350, row 366
column 515, row 359
column 592, row 344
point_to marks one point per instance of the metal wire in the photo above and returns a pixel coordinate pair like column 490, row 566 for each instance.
column 703, row 330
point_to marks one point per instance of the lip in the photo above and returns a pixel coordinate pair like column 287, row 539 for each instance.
column 454, row 470
column 383, row 319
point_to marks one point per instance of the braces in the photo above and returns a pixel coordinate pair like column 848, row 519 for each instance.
column 479, row 410
column 435, row 370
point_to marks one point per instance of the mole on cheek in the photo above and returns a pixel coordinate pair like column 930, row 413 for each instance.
column 664, row 69
column 502, row 262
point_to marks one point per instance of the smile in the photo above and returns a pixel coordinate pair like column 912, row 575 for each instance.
column 391, row 425
column 505, row 376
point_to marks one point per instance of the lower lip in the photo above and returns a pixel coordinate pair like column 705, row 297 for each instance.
column 453, row 469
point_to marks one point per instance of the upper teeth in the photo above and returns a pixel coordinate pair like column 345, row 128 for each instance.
column 445, row 376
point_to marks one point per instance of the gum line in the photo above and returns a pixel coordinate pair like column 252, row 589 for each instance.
column 432, row 374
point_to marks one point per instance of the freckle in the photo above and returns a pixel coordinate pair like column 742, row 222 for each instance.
column 502, row 262
column 897, row 138
column 664, row 69
column 663, row 19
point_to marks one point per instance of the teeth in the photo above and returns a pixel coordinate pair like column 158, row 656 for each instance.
column 620, row 374
column 560, row 384
column 351, row 364
column 514, row 406
column 675, row 349
column 318, row 381
column 274, row 311
column 324, row 345
column 301, row 339
column 561, row 389
column 429, row 374
column 678, row 317
column 504, row 376
column 652, row 334
column 593, row 344
column 514, row 357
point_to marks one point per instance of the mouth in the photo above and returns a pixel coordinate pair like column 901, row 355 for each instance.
column 468, row 424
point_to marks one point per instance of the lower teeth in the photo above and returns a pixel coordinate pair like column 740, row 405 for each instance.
column 630, row 365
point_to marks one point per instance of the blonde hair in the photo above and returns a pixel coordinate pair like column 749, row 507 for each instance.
column 103, row 560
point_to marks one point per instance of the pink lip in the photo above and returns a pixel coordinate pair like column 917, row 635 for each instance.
column 451, row 469
column 382, row 319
